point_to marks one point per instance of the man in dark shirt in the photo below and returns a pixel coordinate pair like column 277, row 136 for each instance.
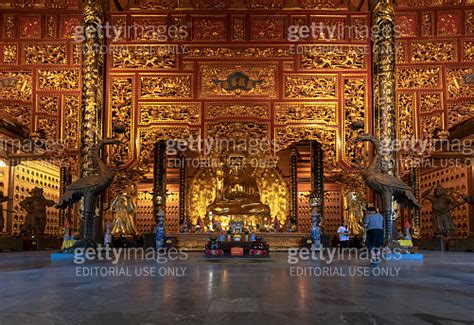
column 374, row 233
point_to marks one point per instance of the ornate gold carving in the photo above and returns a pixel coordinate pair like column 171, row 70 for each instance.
column 143, row 57
column 238, row 29
column 166, row 86
column 318, row 4
column 430, row 102
column 65, row 79
column 237, row 130
column 384, row 58
column 45, row 54
column 18, row 113
column 354, row 104
column 406, row 126
column 306, row 113
column 406, row 25
column 212, row 4
column 455, row 85
column 406, row 115
column 211, row 74
column 333, row 57
column 430, row 124
column 19, row 86
column 413, row 78
column 157, row 4
column 218, row 110
column 92, row 94
column 71, row 121
column 237, row 52
column 469, row 23
column 10, row 53
column 459, row 112
column 49, row 125
column 122, row 113
column 264, row 4
column 468, row 51
column 51, row 26
column 285, row 136
column 433, row 51
column 48, row 104
column 170, row 112
column 427, row 24
column 76, row 54
column 401, row 52
column 9, row 26
column 209, row 29
column 149, row 136
column 311, row 86
column 268, row 28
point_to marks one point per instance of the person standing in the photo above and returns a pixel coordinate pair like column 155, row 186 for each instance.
column 373, row 224
column 343, row 234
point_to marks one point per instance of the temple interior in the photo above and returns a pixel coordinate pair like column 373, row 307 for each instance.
column 234, row 132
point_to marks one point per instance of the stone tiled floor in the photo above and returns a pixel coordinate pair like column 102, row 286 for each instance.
column 438, row 290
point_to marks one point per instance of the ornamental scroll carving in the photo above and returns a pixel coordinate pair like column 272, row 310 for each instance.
column 455, row 85
column 311, row 86
column 45, row 54
column 165, row 87
column 10, row 53
column 122, row 113
column 217, row 110
column 430, row 102
column 406, row 126
column 306, row 113
column 65, row 79
column 413, row 78
column 169, row 112
column 49, row 125
column 48, row 104
column 237, row 130
column 333, row 57
column 430, row 124
column 143, row 57
column 433, row 51
column 355, row 102
column 238, row 52
column 285, row 136
column 71, row 121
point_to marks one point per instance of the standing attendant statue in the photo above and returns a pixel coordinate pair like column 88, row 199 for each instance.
column 442, row 203
column 35, row 207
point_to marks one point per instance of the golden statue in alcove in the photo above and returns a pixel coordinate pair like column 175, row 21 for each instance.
column 237, row 195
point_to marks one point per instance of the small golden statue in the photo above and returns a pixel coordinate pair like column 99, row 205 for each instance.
column 123, row 222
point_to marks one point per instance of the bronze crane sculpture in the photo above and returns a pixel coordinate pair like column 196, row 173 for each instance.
column 384, row 185
column 90, row 187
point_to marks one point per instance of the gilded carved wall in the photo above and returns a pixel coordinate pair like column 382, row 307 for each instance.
column 434, row 54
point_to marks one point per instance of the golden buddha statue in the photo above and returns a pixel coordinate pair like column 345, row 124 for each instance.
column 237, row 197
